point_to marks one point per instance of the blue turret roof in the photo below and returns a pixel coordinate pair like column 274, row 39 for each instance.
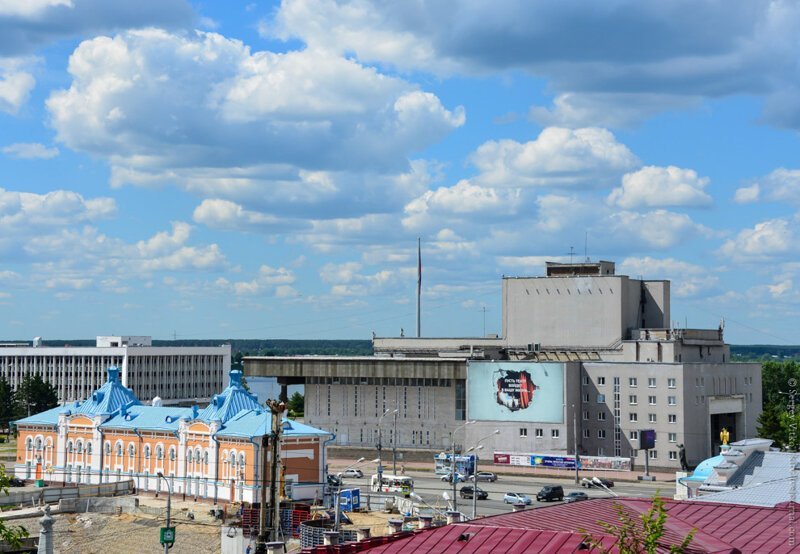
column 230, row 402
column 109, row 398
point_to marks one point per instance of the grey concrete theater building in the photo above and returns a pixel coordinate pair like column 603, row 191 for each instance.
column 582, row 349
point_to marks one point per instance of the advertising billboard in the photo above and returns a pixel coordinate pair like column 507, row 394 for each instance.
column 515, row 391
column 647, row 439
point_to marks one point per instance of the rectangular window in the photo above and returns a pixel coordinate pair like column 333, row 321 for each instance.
column 673, row 455
column 673, row 437
column 654, row 454
column 554, row 433
column 523, row 432
column 586, row 434
column 651, row 382
column 671, row 383
column 539, row 433
column 673, row 418
column 632, row 400
column 585, row 379
column 461, row 400
column 601, row 416
column 586, row 398
column 586, row 415
column 672, row 400
column 601, row 451
column 651, row 400
column 633, row 416
column 601, row 380
column 601, row 433
column 651, row 418
column 634, row 435
column 632, row 382
column 601, row 398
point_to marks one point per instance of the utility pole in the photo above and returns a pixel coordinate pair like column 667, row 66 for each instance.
column 575, row 444
column 262, row 512
column 394, row 445
column 277, row 408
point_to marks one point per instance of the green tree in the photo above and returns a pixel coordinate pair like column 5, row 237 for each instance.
column 778, row 379
column 297, row 404
column 635, row 535
column 34, row 395
column 6, row 403
column 9, row 534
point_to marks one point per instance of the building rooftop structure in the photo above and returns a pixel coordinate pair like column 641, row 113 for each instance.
column 720, row 528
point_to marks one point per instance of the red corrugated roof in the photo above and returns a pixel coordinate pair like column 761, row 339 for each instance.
column 721, row 528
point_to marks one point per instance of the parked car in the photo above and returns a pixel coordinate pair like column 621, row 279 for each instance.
column 516, row 498
column 334, row 481
column 576, row 496
column 484, row 476
column 16, row 482
column 466, row 492
column 550, row 492
column 589, row 483
column 448, row 477
column 351, row 472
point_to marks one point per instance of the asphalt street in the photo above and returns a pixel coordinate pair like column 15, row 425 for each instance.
column 431, row 488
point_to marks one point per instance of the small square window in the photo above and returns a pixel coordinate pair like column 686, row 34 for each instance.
column 651, row 418
column 651, row 382
column 632, row 382
column 523, row 432
column 586, row 415
column 585, row 379
column 601, row 433
column 601, row 398
column 539, row 433
column 601, row 380
column 673, row 437
column 601, row 416
column 654, row 454
column 633, row 416
column 672, row 400
column 632, row 400
column 586, row 398
column 634, row 435
column 554, row 433
column 673, row 455
column 651, row 400
column 673, row 418
column 671, row 383
column 586, row 433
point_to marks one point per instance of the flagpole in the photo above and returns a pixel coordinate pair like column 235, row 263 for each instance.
column 419, row 287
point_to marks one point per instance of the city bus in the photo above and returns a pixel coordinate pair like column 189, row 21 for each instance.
column 392, row 483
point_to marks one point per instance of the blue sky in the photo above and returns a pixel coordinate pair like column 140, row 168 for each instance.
column 249, row 169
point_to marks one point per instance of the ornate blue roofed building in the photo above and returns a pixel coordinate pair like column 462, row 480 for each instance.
column 212, row 452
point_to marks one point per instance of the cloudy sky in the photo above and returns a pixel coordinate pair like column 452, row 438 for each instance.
column 257, row 169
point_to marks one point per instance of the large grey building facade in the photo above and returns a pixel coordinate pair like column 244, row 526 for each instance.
column 594, row 353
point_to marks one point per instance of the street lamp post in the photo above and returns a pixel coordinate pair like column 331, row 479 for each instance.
column 478, row 446
column 599, row 483
column 169, row 506
column 339, row 493
column 380, row 440
column 394, row 445
column 453, row 462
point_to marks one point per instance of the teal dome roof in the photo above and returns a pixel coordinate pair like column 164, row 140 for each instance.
column 706, row 467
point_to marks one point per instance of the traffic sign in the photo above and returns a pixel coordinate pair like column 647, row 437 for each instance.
column 167, row 535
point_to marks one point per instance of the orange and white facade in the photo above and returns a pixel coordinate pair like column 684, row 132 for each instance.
column 210, row 453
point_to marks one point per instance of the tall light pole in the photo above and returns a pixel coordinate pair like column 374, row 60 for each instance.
column 380, row 439
column 453, row 462
column 169, row 506
column 478, row 446
column 394, row 444
column 575, row 444
column 339, row 493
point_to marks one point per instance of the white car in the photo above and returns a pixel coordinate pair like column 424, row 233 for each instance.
column 447, row 477
column 352, row 472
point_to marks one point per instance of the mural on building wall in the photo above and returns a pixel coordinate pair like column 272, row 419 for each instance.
column 515, row 391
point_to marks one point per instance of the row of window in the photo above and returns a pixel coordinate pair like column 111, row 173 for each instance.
column 633, row 400
column 380, row 381
column 633, row 417
column 539, row 433
column 633, row 382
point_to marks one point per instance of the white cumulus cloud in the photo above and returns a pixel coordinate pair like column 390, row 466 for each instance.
column 661, row 187
column 29, row 151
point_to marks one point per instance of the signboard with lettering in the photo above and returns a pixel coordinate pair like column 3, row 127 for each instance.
column 515, row 391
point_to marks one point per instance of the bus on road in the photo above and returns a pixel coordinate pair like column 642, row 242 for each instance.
column 392, row 483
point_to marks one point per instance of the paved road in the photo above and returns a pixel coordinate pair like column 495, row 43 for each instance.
column 430, row 487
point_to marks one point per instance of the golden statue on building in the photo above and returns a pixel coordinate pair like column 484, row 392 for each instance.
column 724, row 436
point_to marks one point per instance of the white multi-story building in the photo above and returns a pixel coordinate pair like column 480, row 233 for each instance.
column 176, row 374
column 595, row 353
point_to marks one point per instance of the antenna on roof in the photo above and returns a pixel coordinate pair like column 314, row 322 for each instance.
column 586, row 246
column 571, row 253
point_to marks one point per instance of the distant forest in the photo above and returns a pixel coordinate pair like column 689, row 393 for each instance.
column 321, row 347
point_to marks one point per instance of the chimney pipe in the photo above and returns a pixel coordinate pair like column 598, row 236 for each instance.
column 425, row 522
column 330, row 538
column 395, row 525
column 275, row 548
column 363, row 533
column 453, row 517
